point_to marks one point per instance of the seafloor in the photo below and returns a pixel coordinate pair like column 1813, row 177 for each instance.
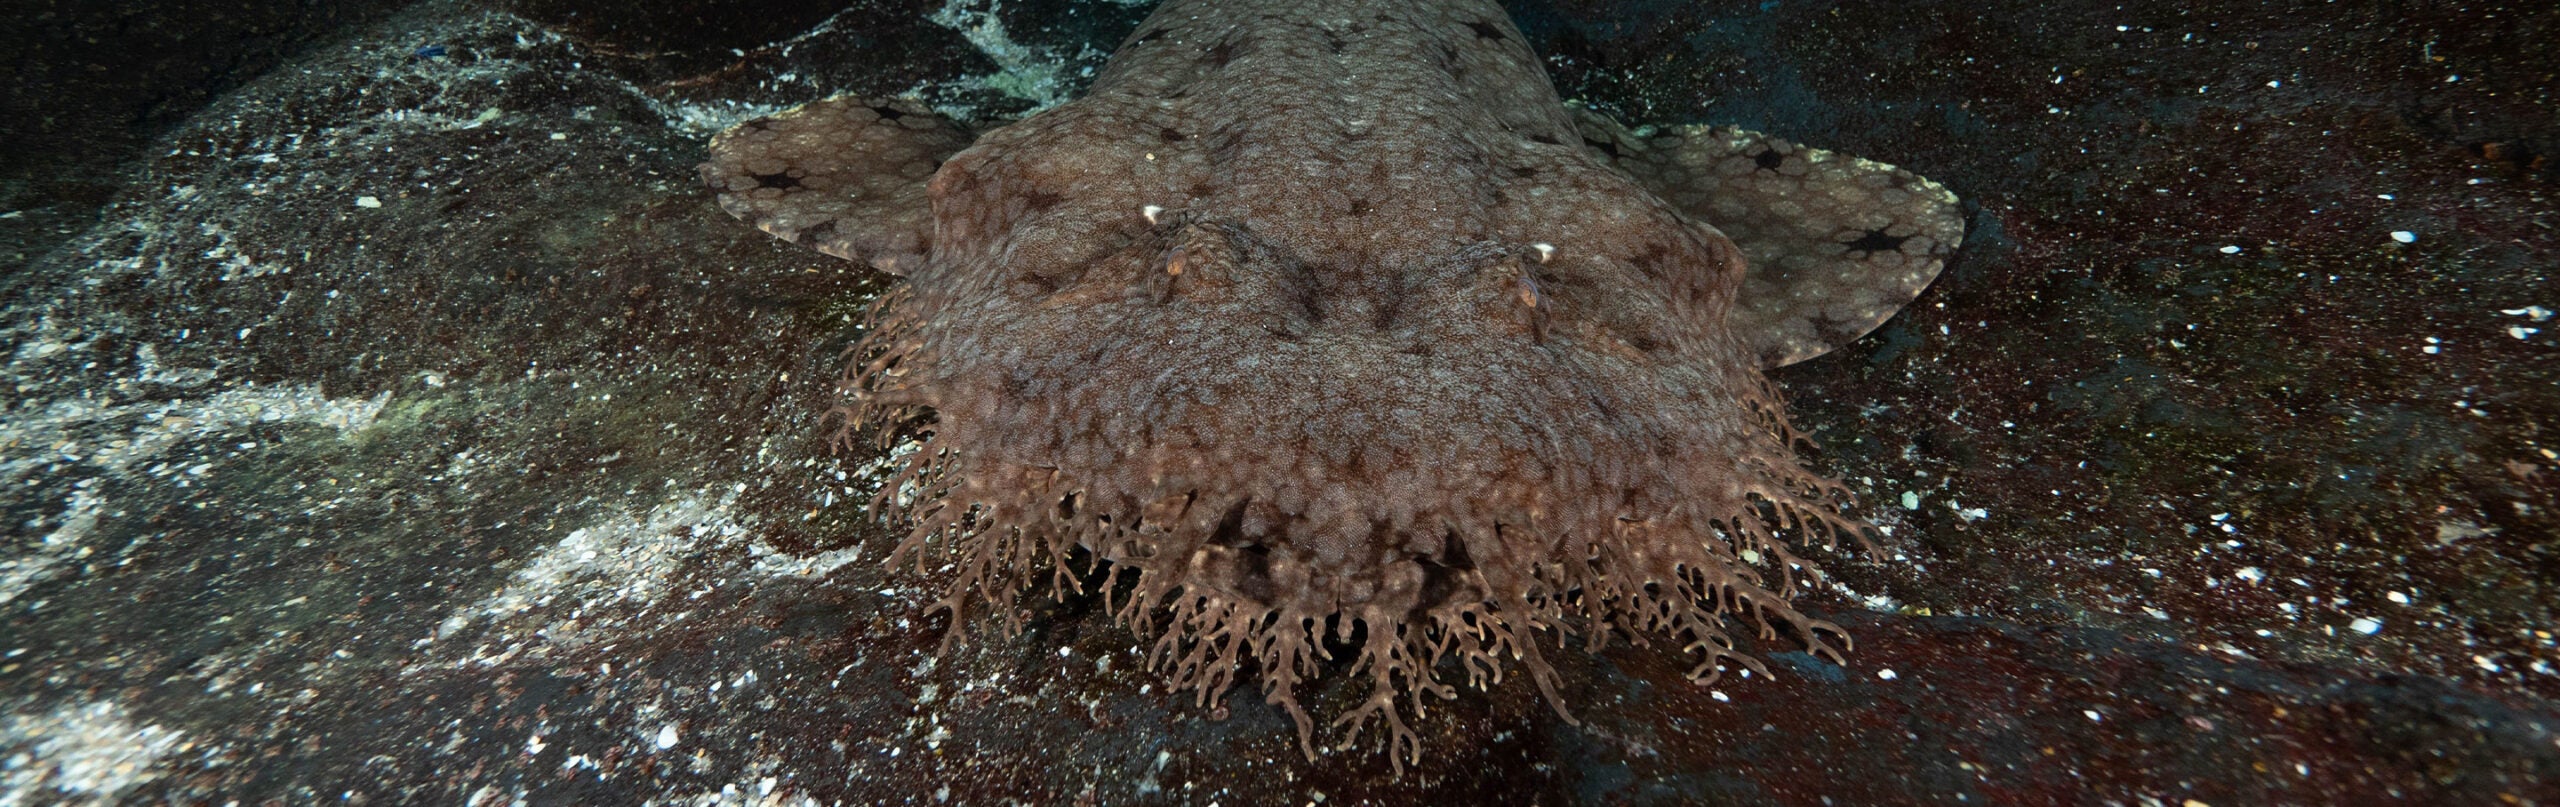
column 392, row 418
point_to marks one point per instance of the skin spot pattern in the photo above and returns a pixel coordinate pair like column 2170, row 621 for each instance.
column 1873, row 241
column 1328, row 376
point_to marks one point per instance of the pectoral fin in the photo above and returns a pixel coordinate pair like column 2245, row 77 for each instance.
column 845, row 176
column 1836, row 244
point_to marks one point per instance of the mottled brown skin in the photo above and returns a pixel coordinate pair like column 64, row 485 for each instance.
column 1333, row 327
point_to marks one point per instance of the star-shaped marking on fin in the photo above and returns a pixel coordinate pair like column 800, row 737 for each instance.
column 1874, row 241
